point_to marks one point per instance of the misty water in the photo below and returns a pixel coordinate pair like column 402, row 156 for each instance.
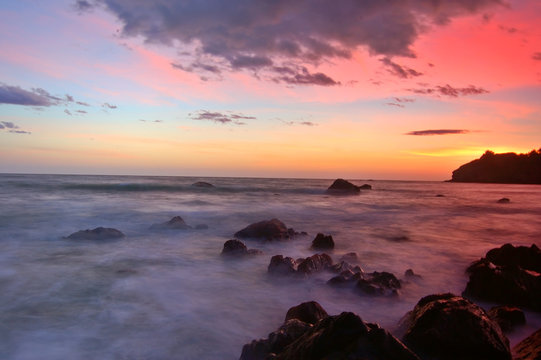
column 170, row 295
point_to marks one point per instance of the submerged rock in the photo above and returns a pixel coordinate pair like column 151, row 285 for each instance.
column 344, row 336
column 280, row 265
column 409, row 274
column 503, row 201
column 314, row 263
column 378, row 283
column 237, row 248
column 508, row 317
column 449, row 327
column 343, row 187
column 99, row 233
column 322, row 241
column 529, row 348
column 365, row 187
column 176, row 223
column 507, row 275
column 268, row 230
column 203, row 184
column 309, row 312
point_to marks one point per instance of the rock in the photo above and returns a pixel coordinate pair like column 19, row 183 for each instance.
column 99, row 233
column 237, row 248
column 343, row 336
column 445, row 327
column 346, row 278
column 365, row 187
column 507, row 317
column 280, row 265
column 378, row 283
column 346, row 336
column 176, row 223
column 529, row 348
column 503, row 201
column 323, row 242
column 315, row 263
column 411, row 275
column 343, row 187
column 268, row 230
column 345, row 266
column 440, row 195
column 502, row 168
column 309, row 312
column 203, row 184
column 508, row 275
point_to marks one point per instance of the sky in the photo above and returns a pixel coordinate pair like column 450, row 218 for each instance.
column 368, row 89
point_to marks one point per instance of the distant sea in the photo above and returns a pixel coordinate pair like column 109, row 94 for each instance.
column 170, row 295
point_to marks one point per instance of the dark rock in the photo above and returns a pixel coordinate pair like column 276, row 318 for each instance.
column 346, row 278
column 529, row 348
column 445, row 327
column 322, row 241
column 378, row 283
column 343, row 187
column 440, row 195
column 201, row 227
column 411, row 275
column 507, row 317
column 343, row 336
column 503, row 201
column 176, row 223
column 315, row 263
column 345, row 266
column 203, row 184
column 508, row 275
column 502, row 168
column 269, row 230
column 280, row 265
column 235, row 247
column 346, row 336
column 399, row 238
column 309, row 312
column 365, row 187
column 99, row 233
column 350, row 257
column 276, row 342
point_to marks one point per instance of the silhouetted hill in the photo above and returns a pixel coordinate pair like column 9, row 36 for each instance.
column 508, row 168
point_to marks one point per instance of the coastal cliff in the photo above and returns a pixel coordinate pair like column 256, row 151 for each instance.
column 508, row 168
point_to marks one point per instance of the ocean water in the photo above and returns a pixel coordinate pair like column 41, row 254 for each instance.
column 170, row 295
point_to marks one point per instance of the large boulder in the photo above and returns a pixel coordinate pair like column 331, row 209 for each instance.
column 508, row 275
column 343, row 336
column 236, row 248
column 449, row 327
column 176, row 223
column 268, row 230
column 343, row 187
column 314, row 263
column 508, row 317
column 99, row 233
column 529, row 348
column 323, row 242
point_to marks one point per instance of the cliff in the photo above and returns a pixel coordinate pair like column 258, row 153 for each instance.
column 508, row 168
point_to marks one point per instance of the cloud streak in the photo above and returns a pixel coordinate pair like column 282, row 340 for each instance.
column 437, row 132
column 451, row 91
column 219, row 117
column 12, row 128
column 260, row 35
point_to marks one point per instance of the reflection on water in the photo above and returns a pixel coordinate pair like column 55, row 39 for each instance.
column 169, row 295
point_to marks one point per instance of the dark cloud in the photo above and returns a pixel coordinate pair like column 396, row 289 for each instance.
column 261, row 34
column 81, row 111
column 448, row 90
column 399, row 102
column 437, row 132
column 399, row 70
column 83, row 5
column 109, row 106
column 223, row 118
column 67, row 112
column 12, row 128
column 301, row 76
column 537, row 56
column 69, row 98
column 9, row 125
column 82, row 103
column 16, row 96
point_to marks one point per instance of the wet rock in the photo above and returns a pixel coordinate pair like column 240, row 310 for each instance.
column 323, row 242
column 176, row 223
column 529, row 348
column 365, row 187
column 345, row 266
column 237, row 248
column 346, row 278
column 503, row 201
column 378, row 283
column 203, row 184
column 309, row 312
column 280, row 265
column 343, row 336
column 508, row 275
column 269, row 230
column 99, row 233
column 314, row 263
column 508, row 317
column 343, row 187
column 449, row 327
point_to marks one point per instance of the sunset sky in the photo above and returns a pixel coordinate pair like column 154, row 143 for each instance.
column 392, row 89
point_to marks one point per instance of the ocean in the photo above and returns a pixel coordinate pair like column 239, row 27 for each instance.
column 170, row 295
